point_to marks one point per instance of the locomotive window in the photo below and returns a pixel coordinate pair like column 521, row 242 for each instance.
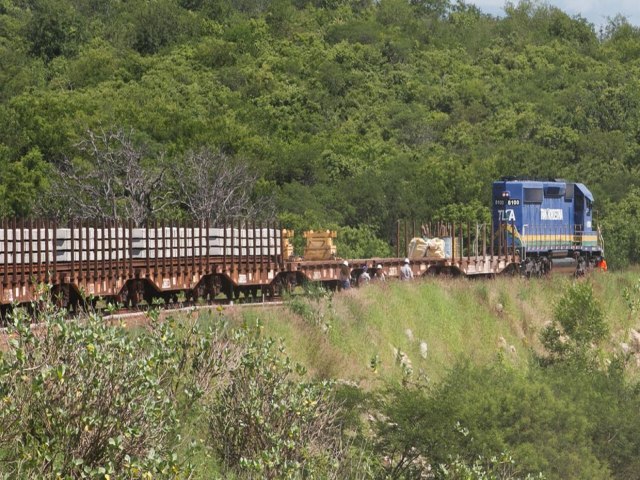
column 554, row 192
column 588, row 207
column 532, row 195
column 568, row 194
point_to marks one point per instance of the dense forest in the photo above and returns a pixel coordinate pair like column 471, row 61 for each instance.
column 325, row 113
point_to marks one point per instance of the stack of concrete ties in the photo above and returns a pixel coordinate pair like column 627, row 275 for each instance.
column 118, row 243
column 173, row 242
column 23, row 245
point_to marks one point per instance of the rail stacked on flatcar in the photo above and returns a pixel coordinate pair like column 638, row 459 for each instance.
column 128, row 265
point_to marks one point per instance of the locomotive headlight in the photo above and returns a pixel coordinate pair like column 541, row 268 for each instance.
column 505, row 194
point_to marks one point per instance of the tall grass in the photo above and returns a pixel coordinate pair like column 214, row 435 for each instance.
column 362, row 330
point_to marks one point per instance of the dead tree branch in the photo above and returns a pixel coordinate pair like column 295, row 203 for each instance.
column 214, row 186
column 110, row 180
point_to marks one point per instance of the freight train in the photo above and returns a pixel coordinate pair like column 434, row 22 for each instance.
column 534, row 225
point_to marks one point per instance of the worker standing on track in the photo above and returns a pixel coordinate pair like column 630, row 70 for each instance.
column 405, row 272
column 364, row 277
column 345, row 275
column 379, row 276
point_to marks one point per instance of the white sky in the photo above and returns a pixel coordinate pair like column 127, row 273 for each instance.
column 594, row 11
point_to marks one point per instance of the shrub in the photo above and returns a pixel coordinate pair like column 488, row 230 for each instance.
column 361, row 242
column 84, row 399
column 267, row 423
column 486, row 412
column 578, row 324
column 314, row 306
column 500, row 467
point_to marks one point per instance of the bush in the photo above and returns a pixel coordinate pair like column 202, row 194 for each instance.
column 84, row 399
column 486, row 412
column 578, row 325
column 361, row 242
column 267, row 424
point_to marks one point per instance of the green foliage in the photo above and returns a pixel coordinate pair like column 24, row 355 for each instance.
column 579, row 325
column 542, row 422
column 495, row 468
column 269, row 424
column 54, row 29
column 84, row 399
column 473, row 212
column 360, row 242
column 353, row 113
column 156, row 25
column 622, row 231
column 313, row 305
column 22, row 183
column 631, row 297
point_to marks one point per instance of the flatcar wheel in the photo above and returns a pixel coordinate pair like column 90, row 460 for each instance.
column 511, row 271
column 170, row 298
column 270, row 291
column 4, row 314
column 62, row 296
column 230, row 292
column 200, row 292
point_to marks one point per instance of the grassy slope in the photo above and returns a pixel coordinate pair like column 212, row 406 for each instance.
column 455, row 317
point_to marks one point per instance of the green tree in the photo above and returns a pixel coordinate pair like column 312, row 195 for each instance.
column 622, row 237
column 54, row 29
column 23, row 183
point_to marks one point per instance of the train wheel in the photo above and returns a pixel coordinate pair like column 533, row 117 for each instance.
column 511, row 271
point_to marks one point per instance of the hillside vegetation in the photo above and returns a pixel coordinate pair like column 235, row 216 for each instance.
column 470, row 373
column 438, row 378
column 329, row 113
column 340, row 336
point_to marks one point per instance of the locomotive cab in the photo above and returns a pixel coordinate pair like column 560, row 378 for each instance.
column 583, row 206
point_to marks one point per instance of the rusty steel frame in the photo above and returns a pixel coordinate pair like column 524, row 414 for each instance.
column 113, row 266
column 474, row 252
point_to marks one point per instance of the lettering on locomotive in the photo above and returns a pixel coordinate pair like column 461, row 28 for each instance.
column 551, row 214
column 507, row 215
column 512, row 202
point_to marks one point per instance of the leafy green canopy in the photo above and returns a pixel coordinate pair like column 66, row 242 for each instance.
column 352, row 113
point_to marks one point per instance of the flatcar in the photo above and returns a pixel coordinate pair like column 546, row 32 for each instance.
column 549, row 222
column 119, row 263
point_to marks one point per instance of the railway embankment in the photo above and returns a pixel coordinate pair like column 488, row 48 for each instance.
column 435, row 378
column 362, row 334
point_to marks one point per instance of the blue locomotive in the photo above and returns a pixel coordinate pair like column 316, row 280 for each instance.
column 549, row 222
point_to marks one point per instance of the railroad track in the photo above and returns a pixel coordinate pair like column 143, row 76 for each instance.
column 186, row 307
column 138, row 315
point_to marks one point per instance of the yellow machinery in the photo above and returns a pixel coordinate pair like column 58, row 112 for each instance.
column 287, row 246
column 320, row 245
